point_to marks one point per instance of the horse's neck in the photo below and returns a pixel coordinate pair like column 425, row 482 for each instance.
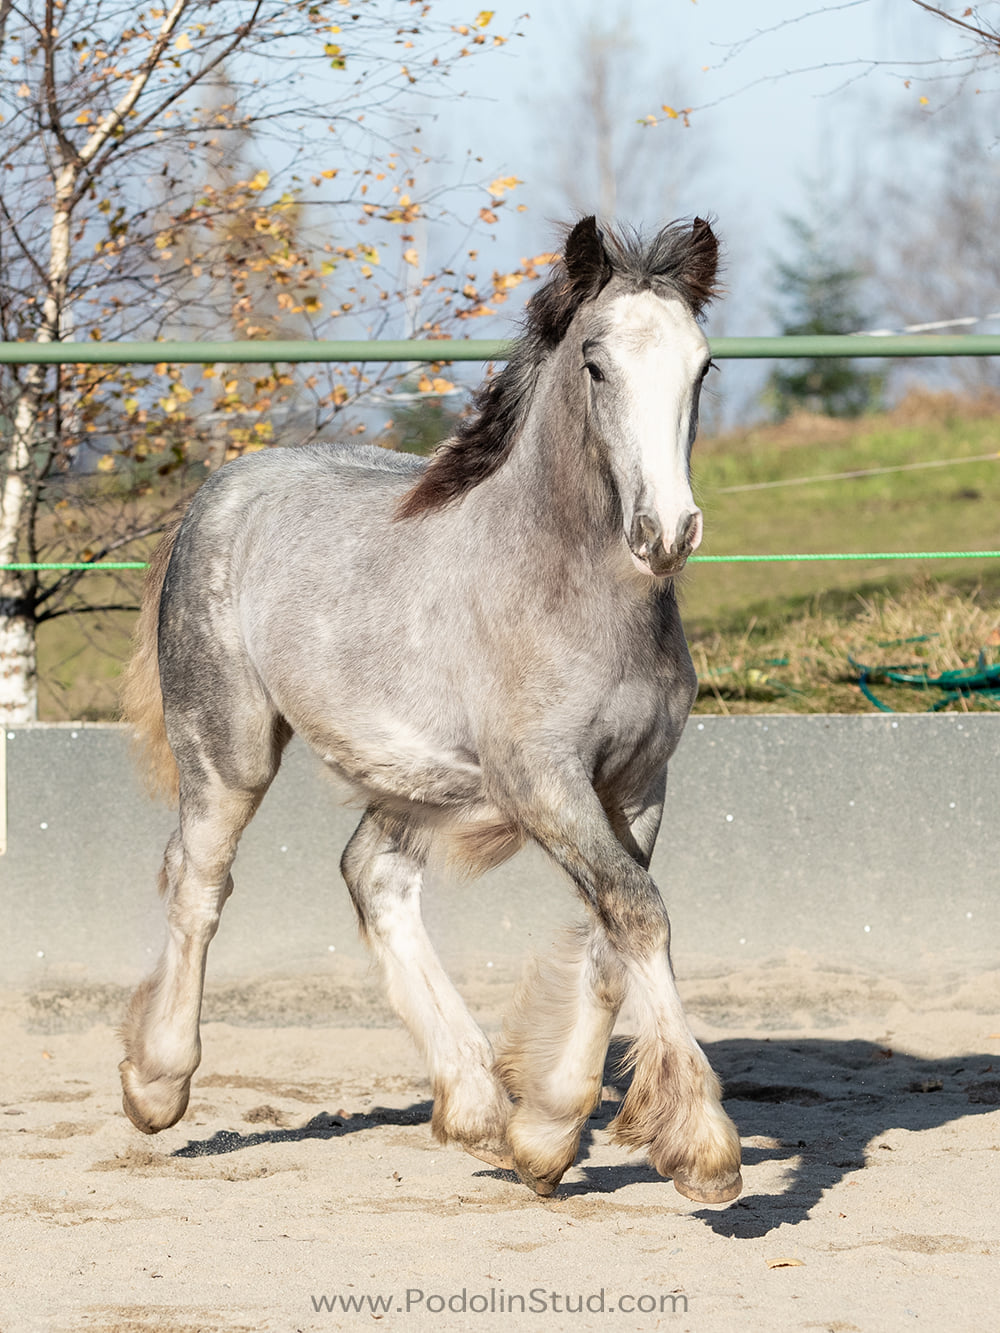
column 557, row 521
column 553, row 474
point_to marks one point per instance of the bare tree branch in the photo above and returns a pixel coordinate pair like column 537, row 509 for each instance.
column 117, row 117
column 5, row 8
column 49, row 37
column 989, row 36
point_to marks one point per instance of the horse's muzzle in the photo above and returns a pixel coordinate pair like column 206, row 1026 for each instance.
column 647, row 545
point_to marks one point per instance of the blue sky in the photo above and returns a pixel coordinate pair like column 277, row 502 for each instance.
column 784, row 93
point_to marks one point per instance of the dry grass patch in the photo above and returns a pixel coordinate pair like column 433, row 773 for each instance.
column 807, row 660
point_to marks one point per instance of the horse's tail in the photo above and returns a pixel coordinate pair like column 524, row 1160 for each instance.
column 142, row 701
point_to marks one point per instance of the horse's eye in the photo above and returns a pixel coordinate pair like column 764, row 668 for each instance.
column 595, row 372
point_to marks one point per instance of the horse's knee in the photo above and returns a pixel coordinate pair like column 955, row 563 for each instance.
column 637, row 924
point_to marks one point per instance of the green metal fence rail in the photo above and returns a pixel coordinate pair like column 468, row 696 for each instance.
column 487, row 349
column 474, row 349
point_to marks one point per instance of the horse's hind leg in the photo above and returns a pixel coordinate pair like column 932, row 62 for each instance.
column 160, row 1032
column 384, row 876
column 552, row 1056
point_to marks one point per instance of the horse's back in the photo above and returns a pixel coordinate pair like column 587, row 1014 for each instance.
column 265, row 510
column 286, row 474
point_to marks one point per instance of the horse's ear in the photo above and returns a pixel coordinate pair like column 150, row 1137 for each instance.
column 587, row 261
column 586, row 267
column 702, row 264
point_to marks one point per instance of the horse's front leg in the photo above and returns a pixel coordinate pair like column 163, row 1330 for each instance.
column 673, row 1106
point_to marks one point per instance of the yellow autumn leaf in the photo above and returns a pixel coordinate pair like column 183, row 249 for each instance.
column 411, row 257
column 260, row 181
column 424, row 385
column 440, row 385
column 483, row 18
column 183, row 43
column 924, row 101
column 84, row 118
column 502, row 184
column 670, row 111
column 329, row 174
column 106, row 463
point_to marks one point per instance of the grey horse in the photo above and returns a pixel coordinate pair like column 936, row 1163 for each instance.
column 488, row 647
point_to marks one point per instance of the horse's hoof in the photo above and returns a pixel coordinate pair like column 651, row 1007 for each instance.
column 495, row 1154
column 152, row 1106
column 715, row 1193
column 544, row 1186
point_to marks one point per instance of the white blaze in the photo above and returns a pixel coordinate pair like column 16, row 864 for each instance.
column 658, row 350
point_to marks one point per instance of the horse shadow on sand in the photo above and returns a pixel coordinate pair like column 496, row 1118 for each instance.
column 820, row 1105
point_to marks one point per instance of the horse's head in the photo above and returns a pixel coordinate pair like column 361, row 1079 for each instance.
column 642, row 358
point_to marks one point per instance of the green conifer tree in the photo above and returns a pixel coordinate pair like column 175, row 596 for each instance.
column 819, row 294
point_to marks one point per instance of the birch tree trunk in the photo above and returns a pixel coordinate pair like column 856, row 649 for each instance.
column 18, row 484
column 18, row 493
column 18, row 659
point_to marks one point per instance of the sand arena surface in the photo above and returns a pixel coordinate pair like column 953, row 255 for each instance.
column 303, row 1190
